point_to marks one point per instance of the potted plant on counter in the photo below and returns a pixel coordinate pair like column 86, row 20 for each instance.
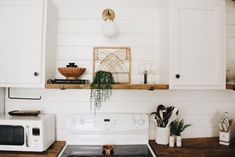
column 101, row 89
column 176, row 128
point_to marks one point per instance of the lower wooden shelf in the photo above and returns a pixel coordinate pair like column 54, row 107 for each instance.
column 115, row 86
column 120, row 86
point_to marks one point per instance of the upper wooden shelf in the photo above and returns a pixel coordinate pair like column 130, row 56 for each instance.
column 115, row 86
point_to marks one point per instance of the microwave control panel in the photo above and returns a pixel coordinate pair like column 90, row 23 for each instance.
column 36, row 131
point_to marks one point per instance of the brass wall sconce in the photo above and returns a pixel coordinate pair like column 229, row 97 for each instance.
column 109, row 28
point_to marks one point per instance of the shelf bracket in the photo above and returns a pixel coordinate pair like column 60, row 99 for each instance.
column 20, row 98
column 62, row 88
column 151, row 88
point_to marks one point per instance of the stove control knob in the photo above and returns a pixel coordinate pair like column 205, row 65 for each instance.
column 115, row 122
column 69, row 122
column 141, row 121
column 78, row 121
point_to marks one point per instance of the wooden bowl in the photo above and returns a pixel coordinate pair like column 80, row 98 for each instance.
column 71, row 73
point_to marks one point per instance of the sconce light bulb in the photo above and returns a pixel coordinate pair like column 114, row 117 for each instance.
column 110, row 29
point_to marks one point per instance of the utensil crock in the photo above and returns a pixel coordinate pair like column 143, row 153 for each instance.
column 162, row 135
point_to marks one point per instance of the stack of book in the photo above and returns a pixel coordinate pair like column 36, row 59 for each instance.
column 64, row 81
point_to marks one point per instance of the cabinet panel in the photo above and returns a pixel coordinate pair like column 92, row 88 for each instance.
column 21, row 45
column 24, row 41
column 197, row 45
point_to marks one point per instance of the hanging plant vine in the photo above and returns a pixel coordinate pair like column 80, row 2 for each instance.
column 101, row 89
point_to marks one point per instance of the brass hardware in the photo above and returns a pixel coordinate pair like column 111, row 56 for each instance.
column 108, row 14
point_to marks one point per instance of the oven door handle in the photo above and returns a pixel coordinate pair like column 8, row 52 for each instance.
column 27, row 136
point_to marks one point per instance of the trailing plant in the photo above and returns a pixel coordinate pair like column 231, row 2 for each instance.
column 176, row 127
column 101, row 89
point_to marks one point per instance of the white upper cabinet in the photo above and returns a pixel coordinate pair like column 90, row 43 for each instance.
column 27, row 42
column 196, row 44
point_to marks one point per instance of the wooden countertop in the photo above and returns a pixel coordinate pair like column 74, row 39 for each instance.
column 53, row 151
column 195, row 147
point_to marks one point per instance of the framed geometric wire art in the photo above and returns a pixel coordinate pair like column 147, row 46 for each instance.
column 116, row 60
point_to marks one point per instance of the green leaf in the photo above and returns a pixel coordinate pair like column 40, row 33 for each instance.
column 177, row 127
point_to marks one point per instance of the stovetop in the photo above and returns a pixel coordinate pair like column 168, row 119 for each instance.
column 97, row 151
column 87, row 133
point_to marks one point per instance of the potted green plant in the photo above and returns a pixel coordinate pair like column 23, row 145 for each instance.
column 101, row 89
column 176, row 128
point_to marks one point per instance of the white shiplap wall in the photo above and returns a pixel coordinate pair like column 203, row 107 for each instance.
column 79, row 30
column 230, row 33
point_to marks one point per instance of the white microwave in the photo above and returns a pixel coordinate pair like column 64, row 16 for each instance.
column 27, row 133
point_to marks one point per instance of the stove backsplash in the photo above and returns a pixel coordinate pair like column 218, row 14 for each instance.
column 202, row 109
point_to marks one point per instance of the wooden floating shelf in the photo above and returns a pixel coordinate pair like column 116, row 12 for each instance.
column 230, row 86
column 115, row 86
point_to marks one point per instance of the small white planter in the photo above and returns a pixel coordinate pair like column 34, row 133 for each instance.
column 172, row 141
column 162, row 135
column 178, row 141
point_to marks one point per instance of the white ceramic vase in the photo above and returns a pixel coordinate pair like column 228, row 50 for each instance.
column 178, row 141
column 162, row 135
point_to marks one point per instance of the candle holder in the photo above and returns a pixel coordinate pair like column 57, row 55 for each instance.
column 145, row 70
column 145, row 77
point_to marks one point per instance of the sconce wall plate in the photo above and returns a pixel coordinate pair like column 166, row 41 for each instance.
column 108, row 14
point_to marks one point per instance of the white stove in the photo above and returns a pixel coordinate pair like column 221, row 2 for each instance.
column 88, row 133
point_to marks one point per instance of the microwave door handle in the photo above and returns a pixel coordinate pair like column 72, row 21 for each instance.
column 27, row 136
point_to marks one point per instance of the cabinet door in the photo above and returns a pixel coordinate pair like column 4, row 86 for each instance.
column 21, row 41
column 197, row 44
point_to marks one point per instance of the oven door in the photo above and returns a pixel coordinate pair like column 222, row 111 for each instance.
column 12, row 135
